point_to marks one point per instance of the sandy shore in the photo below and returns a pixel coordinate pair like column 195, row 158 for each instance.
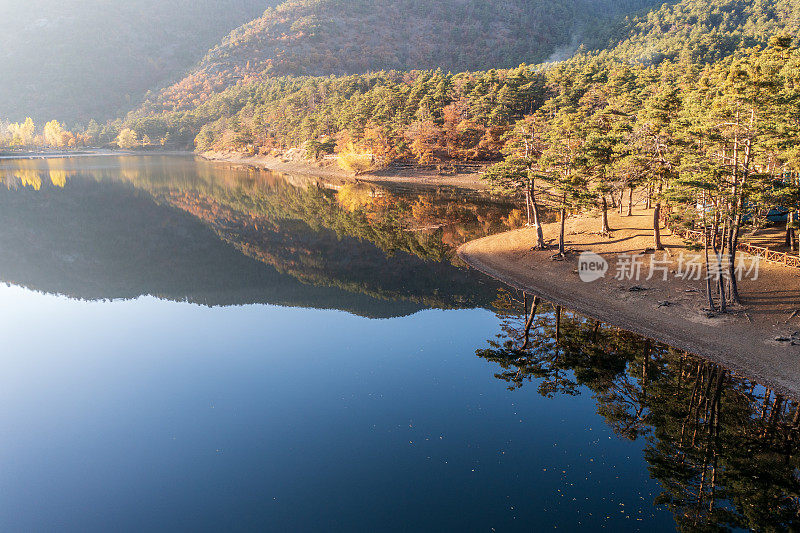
column 330, row 170
column 745, row 340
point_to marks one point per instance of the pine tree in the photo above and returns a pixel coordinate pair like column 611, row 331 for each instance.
column 518, row 171
column 656, row 129
column 559, row 163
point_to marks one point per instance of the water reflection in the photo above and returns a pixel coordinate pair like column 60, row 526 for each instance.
column 724, row 449
column 185, row 229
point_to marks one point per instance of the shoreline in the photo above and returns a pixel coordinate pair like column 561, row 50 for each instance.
column 329, row 170
column 89, row 152
column 745, row 341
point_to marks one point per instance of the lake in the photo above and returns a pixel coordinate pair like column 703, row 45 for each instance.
column 194, row 346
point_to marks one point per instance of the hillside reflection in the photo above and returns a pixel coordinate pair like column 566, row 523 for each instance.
column 120, row 227
column 724, row 449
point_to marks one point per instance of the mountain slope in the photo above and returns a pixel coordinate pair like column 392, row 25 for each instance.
column 701, row 30
column 322, row 37
column 78, row 59
column 422, row 115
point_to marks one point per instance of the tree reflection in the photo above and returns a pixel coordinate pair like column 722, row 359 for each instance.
column 379, row 244
column 724, row 449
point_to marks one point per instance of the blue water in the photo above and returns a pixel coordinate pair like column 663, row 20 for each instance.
column 155, row 415
column 195, row 347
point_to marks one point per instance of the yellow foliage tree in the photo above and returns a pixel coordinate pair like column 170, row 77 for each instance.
column 22, row 134
column 127, row 139
column 56, row 135
column 354, row 160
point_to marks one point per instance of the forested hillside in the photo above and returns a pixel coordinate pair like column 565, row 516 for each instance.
column 73, row 60
column 384, row 80
column 322, row 37
column 698, row 30
column 427, row 115
column 698, row 106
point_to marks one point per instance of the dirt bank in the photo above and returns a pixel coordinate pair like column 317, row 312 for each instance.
column 330, row 170
column 672, row 311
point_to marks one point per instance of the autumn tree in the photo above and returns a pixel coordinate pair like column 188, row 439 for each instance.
column 56, row 136
column 127, row 139
column 22, row 134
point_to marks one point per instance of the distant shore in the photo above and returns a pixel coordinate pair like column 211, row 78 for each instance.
column 330, row 170
column 89, row 152
column 758, row 340
column 420, row 176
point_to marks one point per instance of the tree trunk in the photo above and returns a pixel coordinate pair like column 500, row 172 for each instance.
column 605, row 229
column 657, row 227
column 657, row 220
column 540, row 244
column 630, row 202
column 529, row 322
column 563, row 216
column 528, row 202
column 733, row 242
column 723, row 306
column 711, row 306
column 558, row 324
column 790, row 231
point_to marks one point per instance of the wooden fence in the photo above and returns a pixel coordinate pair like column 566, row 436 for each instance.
column 770, row 256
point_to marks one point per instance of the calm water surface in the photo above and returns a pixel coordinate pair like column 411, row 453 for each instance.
column 195, row 347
